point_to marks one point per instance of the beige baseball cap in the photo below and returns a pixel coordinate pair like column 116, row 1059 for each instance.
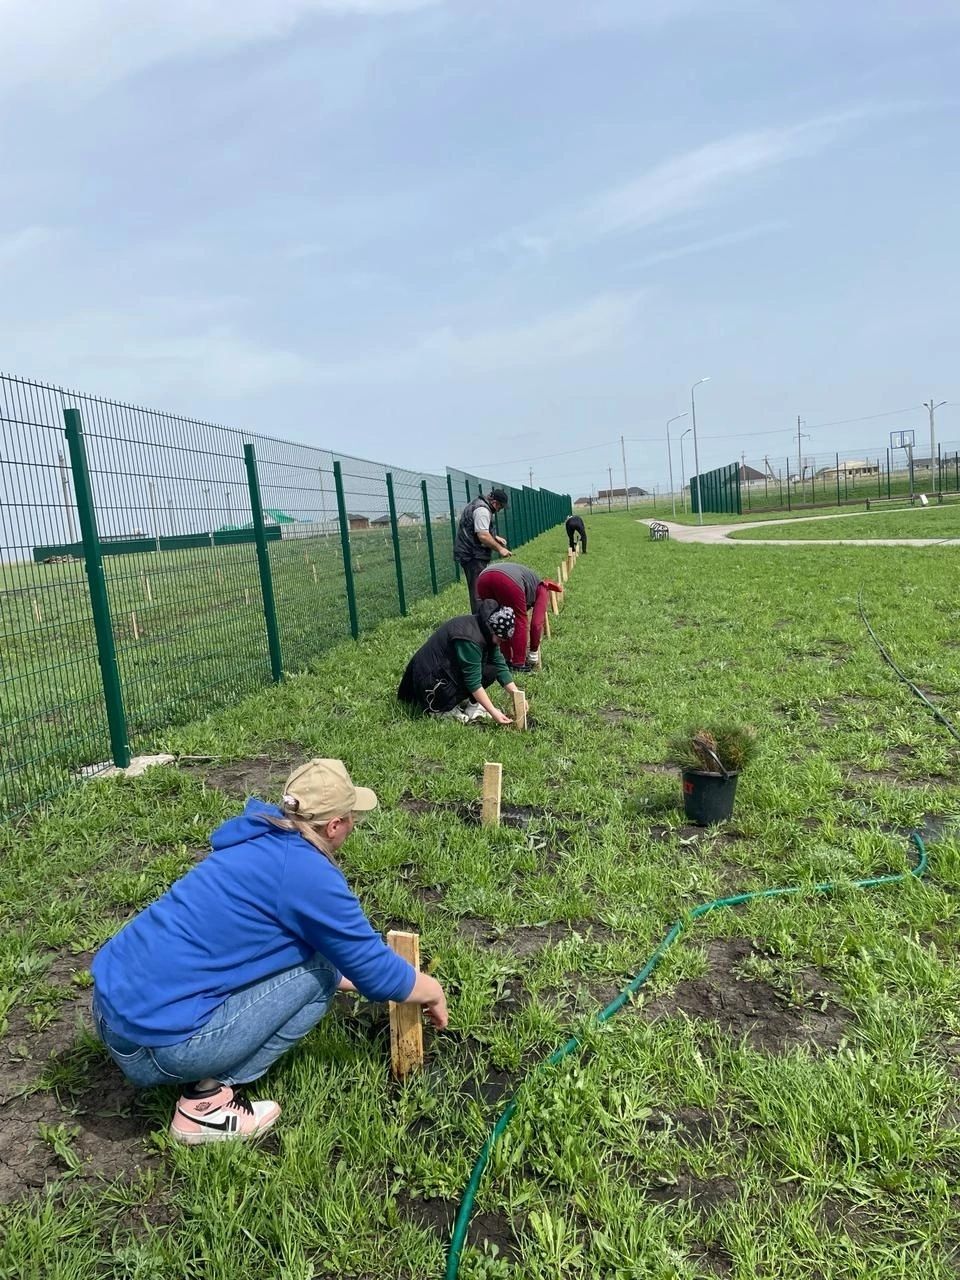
column 321, row 790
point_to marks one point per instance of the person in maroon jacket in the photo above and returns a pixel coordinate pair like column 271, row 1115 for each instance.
column 518, row 587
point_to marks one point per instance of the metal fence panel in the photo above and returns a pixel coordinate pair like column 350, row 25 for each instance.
column 52, row 716
column 216, row 561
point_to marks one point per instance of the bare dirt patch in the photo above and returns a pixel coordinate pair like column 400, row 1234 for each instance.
column 438, row 1216
column 93, row 1114
column 747, row 1009
column 525, row 940
column 260, row 776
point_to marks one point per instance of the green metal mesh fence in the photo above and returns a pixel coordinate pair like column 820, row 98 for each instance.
column 155, row 566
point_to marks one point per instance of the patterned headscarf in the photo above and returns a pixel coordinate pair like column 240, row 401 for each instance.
column 503, row 622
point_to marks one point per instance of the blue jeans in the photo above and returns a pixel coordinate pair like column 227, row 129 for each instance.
column 246, row 1035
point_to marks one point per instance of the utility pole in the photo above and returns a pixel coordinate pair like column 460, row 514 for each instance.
column 623, row 454
column 799, row 459
column 531, row 477
column 610, row 490
column 931, row 408
column 67, row 499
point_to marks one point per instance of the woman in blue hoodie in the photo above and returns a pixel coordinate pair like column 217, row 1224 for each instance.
column 209, row 985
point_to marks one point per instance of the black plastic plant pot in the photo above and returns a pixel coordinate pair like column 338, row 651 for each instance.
column 708, row 797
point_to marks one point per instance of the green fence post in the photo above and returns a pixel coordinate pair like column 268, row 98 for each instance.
column 466, row 485
column 263, row 563
column 426, row 517
column 453, row 523
column 837, row 462
column 789, row 503
column 345, row 545
column 889, row 491
column 391, row 503
column 99, row 600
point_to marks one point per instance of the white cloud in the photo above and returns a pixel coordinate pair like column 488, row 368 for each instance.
column 552, row 338
column 106, row 40
column 726, row 239
column 25, row 243
column 166, row 350
column 184, row 352
column 686, row 182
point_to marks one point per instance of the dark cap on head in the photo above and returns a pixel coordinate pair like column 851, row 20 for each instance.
column 501, row 496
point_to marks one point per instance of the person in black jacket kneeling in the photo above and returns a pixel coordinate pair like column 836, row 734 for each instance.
column 449, row 675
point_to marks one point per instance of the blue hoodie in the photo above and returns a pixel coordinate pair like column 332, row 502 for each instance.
column 264, row 900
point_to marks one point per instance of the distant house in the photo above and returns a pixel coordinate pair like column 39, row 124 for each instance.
column 584, row 502
column 615, row 494
column 404, row 519
column 849, row 467
column 749, row 474
column 358, row 522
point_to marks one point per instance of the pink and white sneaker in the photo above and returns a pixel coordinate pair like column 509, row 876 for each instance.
column 221, row 1116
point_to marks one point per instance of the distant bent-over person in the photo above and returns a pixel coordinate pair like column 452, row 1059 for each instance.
column 519, row 587
column 576, row 529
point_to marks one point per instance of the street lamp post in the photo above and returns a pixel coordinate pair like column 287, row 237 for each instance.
column 696, row 454
column 670, row 460
column 683, row 482
column 931, row 408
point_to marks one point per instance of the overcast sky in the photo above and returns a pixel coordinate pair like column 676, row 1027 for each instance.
column 485, row 232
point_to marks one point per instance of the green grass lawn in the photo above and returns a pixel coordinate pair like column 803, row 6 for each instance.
column 908, row 522
column 782, row 1099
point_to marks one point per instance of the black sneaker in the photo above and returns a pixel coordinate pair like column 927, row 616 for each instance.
column 521, row 668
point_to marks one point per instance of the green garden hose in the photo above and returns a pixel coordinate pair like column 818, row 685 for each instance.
column 466, row 1204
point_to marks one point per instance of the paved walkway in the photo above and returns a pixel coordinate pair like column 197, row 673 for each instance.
column 719, row 534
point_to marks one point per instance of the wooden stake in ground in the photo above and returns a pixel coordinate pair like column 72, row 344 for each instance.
column 36, row 611
column 146, row 589
column 133, row 622
column 562, row 572
column 554, row 602
column 546, row 623
column 314, row 568
column 492, row 786
column 519, row 709
column 406, row 1027
column 571, row 561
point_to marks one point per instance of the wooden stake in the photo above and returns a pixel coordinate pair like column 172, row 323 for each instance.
column 519, row 709
column 146, row 589
column 571, row 561
column 492, row 785
column 133, row 623
column 314, row 568
column 562, row 572
column 546, row 623
column 554, row 602
column 406, row 1027
column 36, row 612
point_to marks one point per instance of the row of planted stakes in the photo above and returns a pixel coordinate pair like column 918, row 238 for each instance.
column 406, row 1023
column 710, row 760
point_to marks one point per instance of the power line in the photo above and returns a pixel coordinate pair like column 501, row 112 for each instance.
column 540, row 457
column 731, row 435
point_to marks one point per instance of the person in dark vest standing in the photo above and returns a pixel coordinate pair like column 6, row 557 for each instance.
column 519, row 587
column 449, row 675
column 476, row 541
column 575, row 529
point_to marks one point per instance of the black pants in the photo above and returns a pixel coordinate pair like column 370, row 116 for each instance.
column 471, row 571
column 582, row 534
column 445, row 696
